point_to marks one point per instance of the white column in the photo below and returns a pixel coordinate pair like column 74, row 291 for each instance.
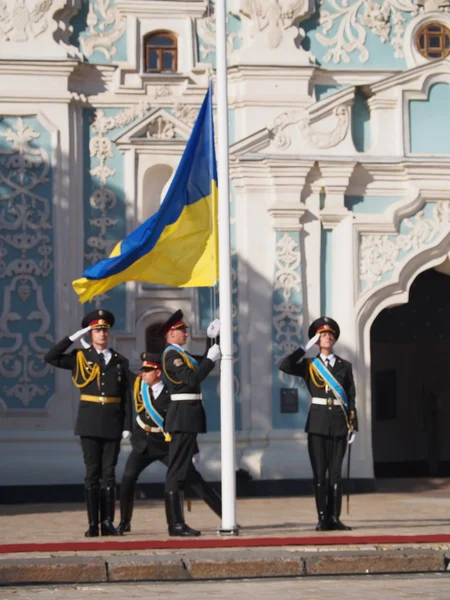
column 228, row 449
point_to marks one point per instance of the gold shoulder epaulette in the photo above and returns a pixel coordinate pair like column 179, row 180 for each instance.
column 315, row 376
column 137, row 397
column 85, row 371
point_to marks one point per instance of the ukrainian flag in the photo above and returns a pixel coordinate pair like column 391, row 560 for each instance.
column 177, row 246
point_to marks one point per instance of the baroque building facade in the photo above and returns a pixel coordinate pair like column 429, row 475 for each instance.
column 339, row 168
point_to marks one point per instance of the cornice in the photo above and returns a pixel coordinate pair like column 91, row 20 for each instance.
column 163, row 8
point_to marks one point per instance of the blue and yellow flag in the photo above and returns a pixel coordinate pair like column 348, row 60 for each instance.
column 176, row 246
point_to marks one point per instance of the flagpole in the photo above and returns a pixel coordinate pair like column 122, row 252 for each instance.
column 228, row 449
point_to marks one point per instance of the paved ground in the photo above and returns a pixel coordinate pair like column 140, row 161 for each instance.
column 408, row 508
column 430, row 587
column 400, row 507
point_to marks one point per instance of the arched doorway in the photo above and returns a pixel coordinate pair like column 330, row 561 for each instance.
column 410, row 374
column 154, row 339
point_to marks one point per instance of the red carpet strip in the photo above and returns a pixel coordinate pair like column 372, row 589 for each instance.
column 229, row 542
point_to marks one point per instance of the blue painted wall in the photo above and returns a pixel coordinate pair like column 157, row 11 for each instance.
column 429, row 122
column 361, row 122
column 27, row 281
column 326, row 270
column 372, row 205
column 106, row 25
column 104, row 225
column 362, row 48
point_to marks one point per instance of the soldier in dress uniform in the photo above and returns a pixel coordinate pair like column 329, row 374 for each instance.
column 104, row 413
column 185, row 418
column 150, row 442
column 332, row 418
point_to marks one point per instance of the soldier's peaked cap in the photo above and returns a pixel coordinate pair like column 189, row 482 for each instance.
column 151, row 360
column 324, row 324
column 98, row 319
column 174, row 322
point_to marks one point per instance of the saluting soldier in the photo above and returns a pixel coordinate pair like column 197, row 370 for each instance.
column 332, row 418
column 104, row 412
column 185, row 418
column 149, row 440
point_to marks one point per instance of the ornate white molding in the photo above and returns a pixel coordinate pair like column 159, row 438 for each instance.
column 287, row 313
column 349, row 20
column 287, row 216
column 317, row 138
column 433, row 5
column 106, row 27
column 206, row 30
column 381, row 254
column 25, row 262
column 273, row 17
column 103, row 198
column 160, row 129
column 22, row 20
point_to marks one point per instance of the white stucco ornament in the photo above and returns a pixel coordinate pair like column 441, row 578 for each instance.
column 433, row 5
column 275, row 16
column 271, row 34
column 349, row 20
column 21, row 20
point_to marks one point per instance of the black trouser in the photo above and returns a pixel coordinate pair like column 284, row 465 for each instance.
column 137, row 462
column 326, row 453
column 100, row 459
column 181, row 450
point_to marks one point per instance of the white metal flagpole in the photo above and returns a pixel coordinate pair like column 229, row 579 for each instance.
column 226, row 316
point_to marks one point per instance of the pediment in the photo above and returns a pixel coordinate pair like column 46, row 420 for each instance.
column 310, row 129
column 158, row 126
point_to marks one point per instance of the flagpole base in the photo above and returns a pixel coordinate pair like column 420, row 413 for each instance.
column 232, row 531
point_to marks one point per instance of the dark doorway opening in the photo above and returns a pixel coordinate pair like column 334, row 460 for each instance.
column 154, row 339
column 410, row 367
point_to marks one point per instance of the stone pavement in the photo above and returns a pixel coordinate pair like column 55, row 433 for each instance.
column 417, row 510
column 413, row 587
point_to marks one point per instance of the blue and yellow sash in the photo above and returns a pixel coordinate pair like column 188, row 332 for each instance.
column 154, row 414
column 332, row 383
column 188, row 359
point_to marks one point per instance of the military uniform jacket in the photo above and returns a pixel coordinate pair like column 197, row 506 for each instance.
column 142, row 440
column 95, row 419
column 154, row 443
column 322, row 419
column 185, row 415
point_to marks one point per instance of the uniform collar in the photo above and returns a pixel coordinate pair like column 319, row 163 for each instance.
column 157, row 388
column 107, row 353
column 331, row 358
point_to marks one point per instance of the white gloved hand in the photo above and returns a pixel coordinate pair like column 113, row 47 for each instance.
column 76, row 336
column 213, row 329
column 196, row 458
column 126, row 434
column 214, row 353
column 351, row 437
column 85, row 343
column 312, row 341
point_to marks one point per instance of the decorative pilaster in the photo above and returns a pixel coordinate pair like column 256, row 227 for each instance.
column 336, row 176
column 287, row 295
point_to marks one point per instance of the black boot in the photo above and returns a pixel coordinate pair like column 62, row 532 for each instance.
column 126, row 507
column 206, row 493
column 92, row 498
column 108, row 498
column 321, row 505
column 175, row 515
column 335, row 503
